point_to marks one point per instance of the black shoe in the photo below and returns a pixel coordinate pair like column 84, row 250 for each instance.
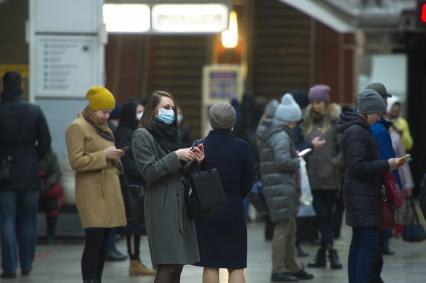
column 319, row 261
column 388, row 251
column 283, row 277
column 269, row 231
column 114, row 255
column 334, row 259
column 8, row 275
column 301, row 252
column 302, row 275
column 26, row 272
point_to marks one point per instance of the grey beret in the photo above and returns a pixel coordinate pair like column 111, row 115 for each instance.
column 369, row 102
column 222, row 116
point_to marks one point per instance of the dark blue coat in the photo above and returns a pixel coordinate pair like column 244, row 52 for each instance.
column 222, row 237
column 25, row 136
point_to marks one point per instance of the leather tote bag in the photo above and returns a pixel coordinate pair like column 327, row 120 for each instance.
column 203, row 193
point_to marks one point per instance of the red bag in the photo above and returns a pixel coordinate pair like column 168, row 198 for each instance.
column 387, row 213
column 393, row 192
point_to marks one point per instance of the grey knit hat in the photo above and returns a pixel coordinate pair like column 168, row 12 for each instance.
column 271, row 108
column 369, row 102
column 380, row 88
column 288, row 110
column 222, row 116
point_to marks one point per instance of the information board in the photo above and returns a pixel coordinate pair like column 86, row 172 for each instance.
column 221, row 83
column 65, row 65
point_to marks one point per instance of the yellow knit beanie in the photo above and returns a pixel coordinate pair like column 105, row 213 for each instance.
column 100, row 98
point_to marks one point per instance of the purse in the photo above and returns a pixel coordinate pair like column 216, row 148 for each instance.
column 203, row 192
column 414, row 231
column 394, row 194
column 257, row 198
column 133, row 197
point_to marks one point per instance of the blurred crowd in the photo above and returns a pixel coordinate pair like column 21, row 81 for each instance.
column 298, row 163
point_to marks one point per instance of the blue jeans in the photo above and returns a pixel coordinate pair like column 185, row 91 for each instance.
column 362, row 254
column 18, row 225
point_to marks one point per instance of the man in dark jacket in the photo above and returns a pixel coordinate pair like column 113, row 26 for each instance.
column 362, row 182
column 25, row 138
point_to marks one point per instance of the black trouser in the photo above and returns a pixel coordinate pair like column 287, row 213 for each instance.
column 92, row 261
column 324, row 202
column 133, row 244
column 378, row 261
column 339, row 209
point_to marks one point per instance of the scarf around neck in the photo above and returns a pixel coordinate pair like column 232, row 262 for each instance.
column 167, row 136
column 102, row 129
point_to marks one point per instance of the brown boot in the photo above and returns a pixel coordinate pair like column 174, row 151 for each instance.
column 137, row 268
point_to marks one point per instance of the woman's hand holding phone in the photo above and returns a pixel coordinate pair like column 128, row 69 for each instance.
column 199, row 152
column 113, row 153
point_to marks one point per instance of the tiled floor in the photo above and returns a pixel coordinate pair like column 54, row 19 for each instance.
column 61, row 263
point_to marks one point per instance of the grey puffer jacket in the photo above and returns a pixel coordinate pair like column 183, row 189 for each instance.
column 279, row 167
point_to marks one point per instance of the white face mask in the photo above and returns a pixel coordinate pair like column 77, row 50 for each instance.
column 139, row 116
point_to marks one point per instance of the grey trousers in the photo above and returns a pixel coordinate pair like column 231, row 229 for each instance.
column 283, row 247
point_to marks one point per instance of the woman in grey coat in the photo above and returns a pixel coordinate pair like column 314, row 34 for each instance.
column 279, row 168
column 159, row 158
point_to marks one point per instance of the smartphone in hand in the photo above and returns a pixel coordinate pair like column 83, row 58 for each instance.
column 406, row 157
column 302, row 153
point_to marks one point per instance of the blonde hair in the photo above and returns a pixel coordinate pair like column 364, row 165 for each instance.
column 308, row 124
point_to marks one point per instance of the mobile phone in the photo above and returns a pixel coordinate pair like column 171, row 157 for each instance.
column 407, row 157
column 304, row 152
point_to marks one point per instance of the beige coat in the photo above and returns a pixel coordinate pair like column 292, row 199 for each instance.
column 98, row 194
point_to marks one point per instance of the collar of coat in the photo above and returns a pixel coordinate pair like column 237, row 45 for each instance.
column 11, row 95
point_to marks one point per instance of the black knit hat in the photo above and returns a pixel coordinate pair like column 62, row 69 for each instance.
column 301, row 98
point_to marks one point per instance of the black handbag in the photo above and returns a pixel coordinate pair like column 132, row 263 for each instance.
column 414, row 231
column 203, row 193
column 257, row 198
column 133, row 197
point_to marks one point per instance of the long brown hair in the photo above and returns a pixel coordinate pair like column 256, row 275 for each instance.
column 151, row 108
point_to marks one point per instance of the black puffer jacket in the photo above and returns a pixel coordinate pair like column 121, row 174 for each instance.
column 363, row 171
column 27, row 146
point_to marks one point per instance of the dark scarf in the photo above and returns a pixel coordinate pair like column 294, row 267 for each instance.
column 318, row 117
column 101, row 128
column 167, row 136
